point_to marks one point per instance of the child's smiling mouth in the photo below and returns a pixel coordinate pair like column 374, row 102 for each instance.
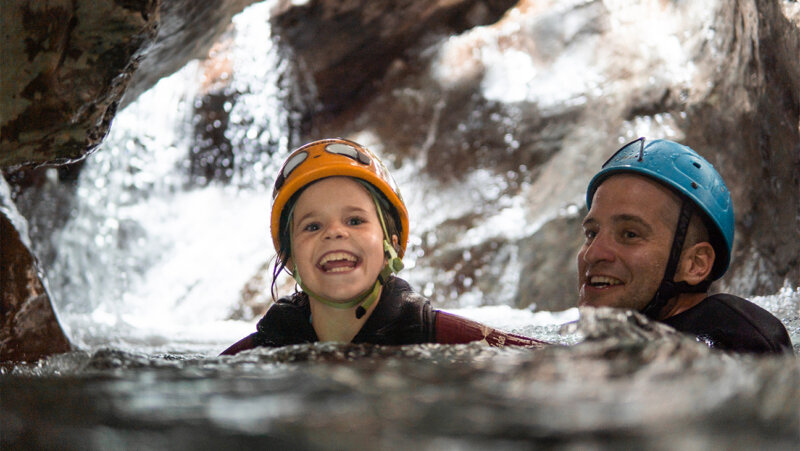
column 338, row 261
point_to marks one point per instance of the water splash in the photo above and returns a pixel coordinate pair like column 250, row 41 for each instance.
column 148, row 259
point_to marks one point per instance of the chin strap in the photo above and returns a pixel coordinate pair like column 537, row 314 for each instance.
column 364, row 300
column 669, row 288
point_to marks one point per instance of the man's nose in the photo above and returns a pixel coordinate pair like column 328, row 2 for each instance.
column 599, row 249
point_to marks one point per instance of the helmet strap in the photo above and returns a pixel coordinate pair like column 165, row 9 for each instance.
column 365, row 299
column 668, row 288
column 393, row 263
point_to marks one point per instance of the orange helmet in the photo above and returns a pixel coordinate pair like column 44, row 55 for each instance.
column 329, row 158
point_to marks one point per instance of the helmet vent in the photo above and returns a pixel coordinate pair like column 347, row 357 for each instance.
column 696, row 164
column 694, row 185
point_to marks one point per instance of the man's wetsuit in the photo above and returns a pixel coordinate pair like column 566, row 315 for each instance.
column 401, row 317
column 731, row 323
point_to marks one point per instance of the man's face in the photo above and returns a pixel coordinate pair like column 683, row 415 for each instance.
column 629, row 232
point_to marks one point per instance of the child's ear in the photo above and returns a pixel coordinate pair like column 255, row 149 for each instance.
column 395, row 247
column 696, row 263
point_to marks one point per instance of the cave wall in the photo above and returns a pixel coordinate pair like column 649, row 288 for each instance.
column 346, row 46
column 750, row 119
column 68, row 65
column 29, row 328
column 738, row 106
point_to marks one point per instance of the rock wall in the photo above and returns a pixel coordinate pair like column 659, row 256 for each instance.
column 749, row 118
column 722, row 77
column 67, row 64
column 346, row 46
column 64, row 74
column 29, row 328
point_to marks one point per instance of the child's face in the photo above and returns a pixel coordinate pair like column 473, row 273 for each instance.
column 337, row 240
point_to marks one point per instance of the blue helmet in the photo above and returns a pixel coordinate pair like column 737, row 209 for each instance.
column 687, row 173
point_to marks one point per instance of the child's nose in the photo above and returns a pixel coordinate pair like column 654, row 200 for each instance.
column 336, row 230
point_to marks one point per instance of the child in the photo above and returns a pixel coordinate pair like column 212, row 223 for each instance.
column 340, row 228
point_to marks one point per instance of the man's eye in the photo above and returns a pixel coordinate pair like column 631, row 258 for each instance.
column 589, row 234
column 628, row 234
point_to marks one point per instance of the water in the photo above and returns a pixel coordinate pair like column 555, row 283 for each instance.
column 623, row 386
column 156, row 254
column 152, row 262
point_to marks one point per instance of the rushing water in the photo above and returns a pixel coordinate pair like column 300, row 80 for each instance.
column 152, row 263
column 629, row 384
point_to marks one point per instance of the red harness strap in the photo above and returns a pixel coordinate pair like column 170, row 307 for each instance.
column 450, row 329
column 454, row 329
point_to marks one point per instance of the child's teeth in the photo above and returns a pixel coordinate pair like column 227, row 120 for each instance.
column 337, row 256
column 340, row 269
column 338, row 262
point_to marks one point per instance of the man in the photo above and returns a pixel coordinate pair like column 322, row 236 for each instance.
column 659, row 230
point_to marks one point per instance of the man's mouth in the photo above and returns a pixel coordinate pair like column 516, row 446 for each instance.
column 603, row 281
column 338, row 262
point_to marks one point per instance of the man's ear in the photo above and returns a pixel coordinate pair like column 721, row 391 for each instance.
column 696, row 263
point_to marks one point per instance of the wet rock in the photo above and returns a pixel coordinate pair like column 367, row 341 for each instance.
column 605, row 323
column 345, row 46
column 748, row 123
column 70, row 63
column 544, row 282
column 792, row 11
column 433, row 110
column 631, row 384
column 29, row 329
column 65, row 72
column 491, row 99
column 255, row 297
column 186, row 30
column 45, row 197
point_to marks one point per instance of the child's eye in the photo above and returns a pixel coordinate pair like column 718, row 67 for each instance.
column 311, row 227
column 354, row 221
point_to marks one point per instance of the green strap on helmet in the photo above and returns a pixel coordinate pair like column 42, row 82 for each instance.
column 394, row 263
column 365, row 299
